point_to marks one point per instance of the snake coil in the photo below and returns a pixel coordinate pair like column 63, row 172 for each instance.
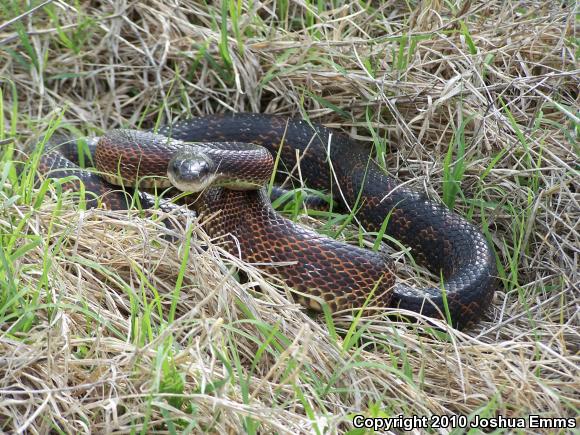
column 343, row 276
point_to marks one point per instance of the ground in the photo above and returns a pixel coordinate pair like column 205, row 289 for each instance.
column 106, row 325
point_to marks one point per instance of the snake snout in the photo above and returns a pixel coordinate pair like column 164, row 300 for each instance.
column 191, row 171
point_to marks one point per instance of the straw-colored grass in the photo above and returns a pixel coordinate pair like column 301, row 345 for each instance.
column 109, row 325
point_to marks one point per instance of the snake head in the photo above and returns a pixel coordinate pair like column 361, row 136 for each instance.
column 191, row 170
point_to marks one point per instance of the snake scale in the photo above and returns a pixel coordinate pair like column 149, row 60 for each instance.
column 341, row 275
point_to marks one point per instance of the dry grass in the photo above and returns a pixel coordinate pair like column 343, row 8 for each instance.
column 106, row 326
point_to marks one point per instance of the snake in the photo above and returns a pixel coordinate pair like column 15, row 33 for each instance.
column 226, row 160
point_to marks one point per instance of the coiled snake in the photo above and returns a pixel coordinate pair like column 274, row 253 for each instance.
column 341, row 275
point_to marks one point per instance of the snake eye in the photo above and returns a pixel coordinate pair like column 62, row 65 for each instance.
column 190, row 172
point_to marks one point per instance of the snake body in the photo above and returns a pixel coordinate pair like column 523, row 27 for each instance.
column 317, row 267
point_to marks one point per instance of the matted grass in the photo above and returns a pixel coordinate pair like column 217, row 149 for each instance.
column 107, row 326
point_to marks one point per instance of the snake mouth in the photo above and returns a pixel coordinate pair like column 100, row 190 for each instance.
column 191, row 171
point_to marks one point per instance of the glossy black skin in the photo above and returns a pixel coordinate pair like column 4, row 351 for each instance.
column 439, row 239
